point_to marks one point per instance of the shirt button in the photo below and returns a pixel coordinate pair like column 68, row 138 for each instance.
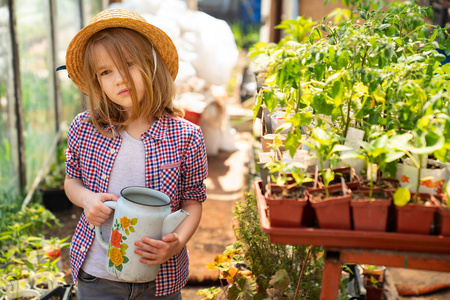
column 104, row 176
column 83, row 249
column 113, row 151
column 91, row 226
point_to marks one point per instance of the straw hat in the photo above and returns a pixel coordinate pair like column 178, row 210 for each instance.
column 112, row 18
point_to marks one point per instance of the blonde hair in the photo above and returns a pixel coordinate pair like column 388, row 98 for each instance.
column 124, row 44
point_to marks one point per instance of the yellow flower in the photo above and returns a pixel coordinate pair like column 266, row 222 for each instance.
column 116, row 256
column 125, row 222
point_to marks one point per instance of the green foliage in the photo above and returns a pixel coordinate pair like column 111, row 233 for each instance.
column 32, row 221
column 22, row 253
column 209, row 293
column 296, row 30
column 266, row 259
column 245, row 36
column 378, row 70
column 257, row 269
column 326, row 146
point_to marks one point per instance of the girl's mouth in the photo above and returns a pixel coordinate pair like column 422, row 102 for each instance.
column 124, row 92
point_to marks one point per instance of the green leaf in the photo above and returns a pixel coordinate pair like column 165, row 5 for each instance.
column 401, row 196
column 280, row 280
column 270, row 100
column 291, row 143
column 328, row 176
column 243, row 289
column 257, row 106
column 319, row 70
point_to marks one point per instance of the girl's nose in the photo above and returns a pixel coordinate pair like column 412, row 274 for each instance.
column 119, row 78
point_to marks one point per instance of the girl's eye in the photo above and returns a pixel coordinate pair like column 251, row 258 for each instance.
column 106, row 72
column 130, row 63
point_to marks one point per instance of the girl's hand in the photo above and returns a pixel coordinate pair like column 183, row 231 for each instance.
column 96, row 212
column 155, row 252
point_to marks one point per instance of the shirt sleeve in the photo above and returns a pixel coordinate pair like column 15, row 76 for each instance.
column 195, row 169
column 73, row 169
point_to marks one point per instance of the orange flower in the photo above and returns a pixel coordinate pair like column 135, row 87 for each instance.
column 116, row 238
column 125, row 222
column 116, row 256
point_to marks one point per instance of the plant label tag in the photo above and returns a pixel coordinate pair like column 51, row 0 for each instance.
column 372, row 172
column 353, row 136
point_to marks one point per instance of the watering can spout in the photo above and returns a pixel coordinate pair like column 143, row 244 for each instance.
column 173, row 220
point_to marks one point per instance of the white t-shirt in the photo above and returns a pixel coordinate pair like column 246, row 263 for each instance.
column 128, row 170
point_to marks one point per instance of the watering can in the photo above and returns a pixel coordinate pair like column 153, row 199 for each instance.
column 139, row 212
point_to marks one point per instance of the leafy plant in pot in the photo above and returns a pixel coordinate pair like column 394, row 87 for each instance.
column 373, row 281
column 411, row 207
column 331, row 204
column 370, row 205
column 286, row 197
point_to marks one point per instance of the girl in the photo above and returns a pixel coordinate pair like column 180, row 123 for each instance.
column 132, row 135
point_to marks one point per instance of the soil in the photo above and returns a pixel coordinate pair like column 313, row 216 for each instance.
column 362, row 195
column 279, row 192
column 320, row 196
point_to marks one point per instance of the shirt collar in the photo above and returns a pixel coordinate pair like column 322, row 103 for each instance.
column 159, row 128
column 157, row 131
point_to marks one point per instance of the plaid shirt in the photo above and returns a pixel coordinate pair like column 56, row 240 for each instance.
column 176, row 164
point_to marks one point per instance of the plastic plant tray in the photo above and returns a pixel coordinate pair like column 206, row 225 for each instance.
column 348, row 238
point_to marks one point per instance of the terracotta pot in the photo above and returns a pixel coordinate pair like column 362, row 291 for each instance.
column 332, row 212
column 416, row 218
column 374, row 293
column 370, row 214
column 284, row 212
column 443, row 220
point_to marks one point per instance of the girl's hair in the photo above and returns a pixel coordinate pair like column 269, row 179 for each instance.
column 124, row 45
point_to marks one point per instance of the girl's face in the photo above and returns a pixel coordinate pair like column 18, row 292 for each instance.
column 114, row 83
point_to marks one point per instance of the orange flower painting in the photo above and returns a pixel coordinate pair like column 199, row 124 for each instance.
column 122, row 228
column 404, row 179
column 116, row 238
column 116, row 256
column 125, row 222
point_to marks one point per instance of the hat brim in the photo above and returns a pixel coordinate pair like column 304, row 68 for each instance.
column 160, row 40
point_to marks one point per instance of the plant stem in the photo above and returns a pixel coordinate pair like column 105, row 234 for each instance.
column 302, row 271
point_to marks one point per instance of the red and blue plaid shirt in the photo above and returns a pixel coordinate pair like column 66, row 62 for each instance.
column 176, row 164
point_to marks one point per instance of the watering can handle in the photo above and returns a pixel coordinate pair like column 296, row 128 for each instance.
column 98, row 229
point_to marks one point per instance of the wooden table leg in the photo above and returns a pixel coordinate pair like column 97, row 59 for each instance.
column 331, row 277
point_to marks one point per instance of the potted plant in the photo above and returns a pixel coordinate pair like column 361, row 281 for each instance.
column 443, row 223
column 331, row 204
column 286, row 196
column 373, row 281
column 370, row 204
